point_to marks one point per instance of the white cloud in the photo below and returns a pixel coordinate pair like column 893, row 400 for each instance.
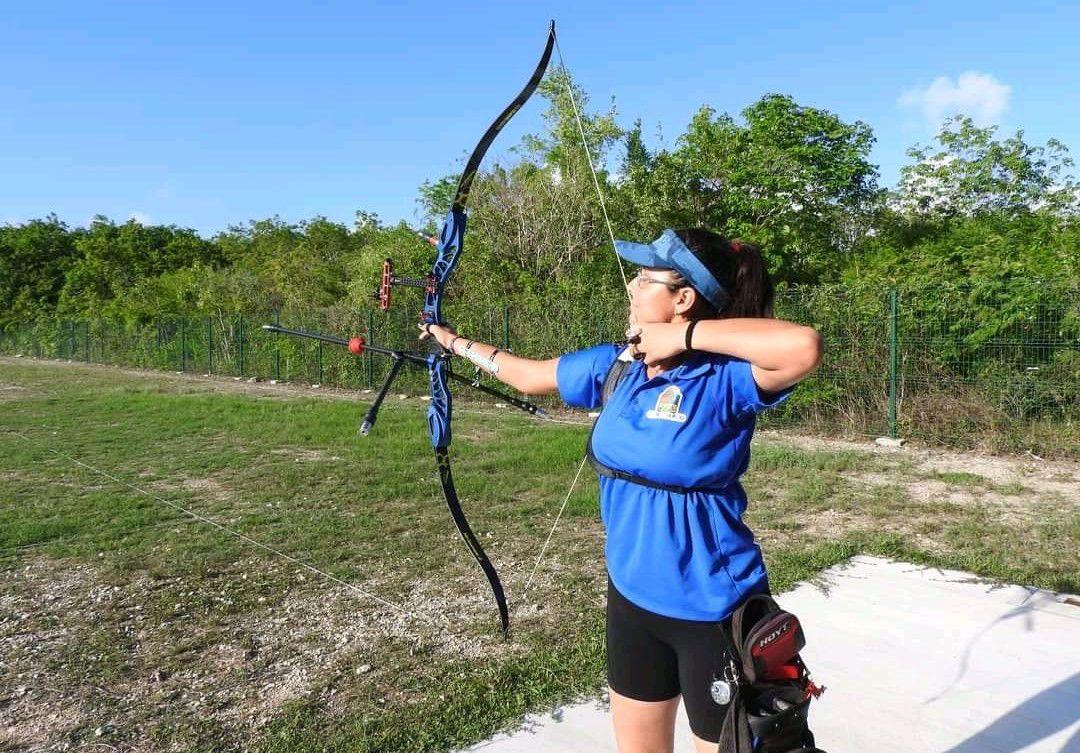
column 980, row 96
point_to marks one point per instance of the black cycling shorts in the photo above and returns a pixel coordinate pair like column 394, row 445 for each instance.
column 655, row 658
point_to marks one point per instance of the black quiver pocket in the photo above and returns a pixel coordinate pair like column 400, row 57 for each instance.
column 769, row 705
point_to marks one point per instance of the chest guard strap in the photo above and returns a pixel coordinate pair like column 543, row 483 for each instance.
column 615, row 375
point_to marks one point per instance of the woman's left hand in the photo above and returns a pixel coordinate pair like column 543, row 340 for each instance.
column 443, row 334
column 655, row 341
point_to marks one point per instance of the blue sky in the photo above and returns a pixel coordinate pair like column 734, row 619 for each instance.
column 206, row 115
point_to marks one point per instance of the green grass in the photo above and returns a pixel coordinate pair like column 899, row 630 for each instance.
column 192, row 639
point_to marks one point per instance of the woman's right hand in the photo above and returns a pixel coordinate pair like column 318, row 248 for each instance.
column 654, row 342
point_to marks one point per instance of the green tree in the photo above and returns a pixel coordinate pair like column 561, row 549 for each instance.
column 538, row 220
column 990, row 251
column 34, row 259
column 971, row 173
column 794, row 178
column 297, row 265
column 113, row 258
column 990, row 215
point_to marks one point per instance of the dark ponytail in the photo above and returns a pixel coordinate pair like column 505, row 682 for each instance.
column 739, row 267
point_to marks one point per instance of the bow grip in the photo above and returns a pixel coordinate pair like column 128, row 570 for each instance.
column 438, row 412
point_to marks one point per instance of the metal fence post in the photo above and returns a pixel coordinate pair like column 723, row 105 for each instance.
column 240, row 343
column 318, row 358
column 894, row 357
column 183, row 344
column 370, row 360
column 277, row 350
column 209, row 345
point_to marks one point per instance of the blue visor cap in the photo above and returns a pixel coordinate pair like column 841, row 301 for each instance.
column 669, row 252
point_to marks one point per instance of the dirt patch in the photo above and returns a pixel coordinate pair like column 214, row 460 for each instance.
column 207, row 488
column 479, row 433
column 999, row 468
column 12, row 392
column 89, row 659
column 34, row 632
column 1020, row 475
column 305, row 455
column 1044, row 476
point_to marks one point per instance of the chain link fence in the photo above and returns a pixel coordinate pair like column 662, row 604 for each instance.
column 963, row 367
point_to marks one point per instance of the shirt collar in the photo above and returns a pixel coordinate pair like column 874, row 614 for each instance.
column 694, row 365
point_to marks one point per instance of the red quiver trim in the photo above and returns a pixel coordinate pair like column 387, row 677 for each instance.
column 772, row 646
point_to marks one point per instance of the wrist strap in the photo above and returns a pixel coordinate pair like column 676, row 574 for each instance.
column 451, row 346
column 690, row 336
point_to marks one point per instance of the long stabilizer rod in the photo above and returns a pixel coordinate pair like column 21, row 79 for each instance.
column 357, row 345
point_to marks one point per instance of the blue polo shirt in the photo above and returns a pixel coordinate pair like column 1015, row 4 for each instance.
column 688, row 556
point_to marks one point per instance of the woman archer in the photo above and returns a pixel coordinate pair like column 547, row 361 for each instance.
column 706, row 356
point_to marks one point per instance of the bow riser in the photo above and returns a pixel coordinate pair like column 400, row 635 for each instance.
column 447, row 256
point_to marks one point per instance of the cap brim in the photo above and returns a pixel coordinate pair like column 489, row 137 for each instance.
column 669, row 252
column 642, row 254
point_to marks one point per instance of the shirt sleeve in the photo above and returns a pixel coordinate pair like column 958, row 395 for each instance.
column 580, row 374
column 744, row 396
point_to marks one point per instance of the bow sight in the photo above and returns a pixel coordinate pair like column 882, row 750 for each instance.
column 389, row 280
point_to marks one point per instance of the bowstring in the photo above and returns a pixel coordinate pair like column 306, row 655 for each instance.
column 626, row 288
column 592, row 168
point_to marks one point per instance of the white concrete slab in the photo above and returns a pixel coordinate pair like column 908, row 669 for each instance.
column 916, row 660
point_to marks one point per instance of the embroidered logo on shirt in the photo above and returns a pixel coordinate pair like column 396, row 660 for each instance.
column 667, row 406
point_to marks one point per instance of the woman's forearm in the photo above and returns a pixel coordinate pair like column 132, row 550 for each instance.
column 529, row 376
column 770, row 344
